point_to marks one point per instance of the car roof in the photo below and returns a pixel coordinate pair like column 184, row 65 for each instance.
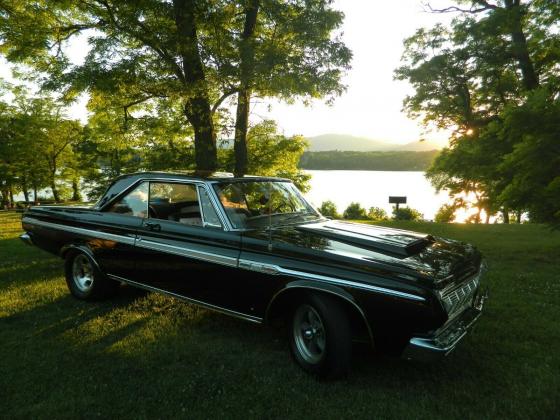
column 123, row 182
column 197, row 175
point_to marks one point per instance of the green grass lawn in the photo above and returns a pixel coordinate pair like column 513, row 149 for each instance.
column 145, row 355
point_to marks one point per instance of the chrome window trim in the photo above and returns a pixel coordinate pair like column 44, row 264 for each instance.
column 213, row 204
column 251, row 265
column 206, row 305
column 205, row 184
column 222, row 208
column 191, row 184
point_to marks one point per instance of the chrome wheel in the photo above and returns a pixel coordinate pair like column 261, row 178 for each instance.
column 82, row 273
column 309, row 334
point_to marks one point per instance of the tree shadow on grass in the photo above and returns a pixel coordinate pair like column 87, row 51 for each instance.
column 173, row 356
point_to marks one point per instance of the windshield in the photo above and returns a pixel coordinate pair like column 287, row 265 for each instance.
column 254, row 204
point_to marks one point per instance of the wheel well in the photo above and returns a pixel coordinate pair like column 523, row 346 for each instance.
column 281, row 307
column 77, row 249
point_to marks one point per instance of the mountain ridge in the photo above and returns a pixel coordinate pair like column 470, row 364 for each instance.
column 345, row 142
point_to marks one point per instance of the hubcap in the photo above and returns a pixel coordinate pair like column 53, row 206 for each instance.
column 82, row 273
column 309, row 334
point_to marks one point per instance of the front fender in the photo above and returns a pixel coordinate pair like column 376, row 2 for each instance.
column 324, row 288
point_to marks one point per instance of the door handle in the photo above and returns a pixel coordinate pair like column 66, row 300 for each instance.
column 153, row 226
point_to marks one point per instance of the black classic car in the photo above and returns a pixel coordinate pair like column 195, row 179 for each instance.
column 254, row 248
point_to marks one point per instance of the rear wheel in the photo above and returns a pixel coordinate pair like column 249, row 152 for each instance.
column 84, row 279
column 320, row 337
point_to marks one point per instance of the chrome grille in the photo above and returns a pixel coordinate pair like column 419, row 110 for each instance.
column 459, row 297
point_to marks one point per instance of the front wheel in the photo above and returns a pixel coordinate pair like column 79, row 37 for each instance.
column 84, row 279
column 320, row 337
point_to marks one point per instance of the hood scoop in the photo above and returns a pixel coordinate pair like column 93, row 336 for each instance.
column 395, row 242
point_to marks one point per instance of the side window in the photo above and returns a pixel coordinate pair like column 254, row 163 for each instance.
column 135, row 203
column 208, row 211
column 176, row 202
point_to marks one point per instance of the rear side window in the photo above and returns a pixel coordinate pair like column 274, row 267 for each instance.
column 175, row 202
column 135, row 203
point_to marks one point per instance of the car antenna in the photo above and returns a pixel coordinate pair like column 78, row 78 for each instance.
column 269, row 216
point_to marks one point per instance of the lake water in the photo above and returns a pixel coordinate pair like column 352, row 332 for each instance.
column 373, row 188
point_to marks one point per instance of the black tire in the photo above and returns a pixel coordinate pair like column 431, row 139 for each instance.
column 83, row 278
column 326, row 354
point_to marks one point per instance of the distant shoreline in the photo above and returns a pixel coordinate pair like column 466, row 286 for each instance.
column 406, row 161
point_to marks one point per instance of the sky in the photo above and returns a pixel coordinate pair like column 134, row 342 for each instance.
column 372, row 105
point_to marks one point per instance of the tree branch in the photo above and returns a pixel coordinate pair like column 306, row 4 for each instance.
column 483, row 6
column 222, row 98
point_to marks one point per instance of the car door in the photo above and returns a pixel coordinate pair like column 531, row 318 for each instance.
column 184, row 249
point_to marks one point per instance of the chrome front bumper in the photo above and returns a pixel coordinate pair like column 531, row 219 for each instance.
column 445, row 340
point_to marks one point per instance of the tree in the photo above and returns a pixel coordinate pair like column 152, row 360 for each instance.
column 281, row 54
column 406, row 213
column 192, row 52
column 141, row 51
column 469, row 78
column 377, row 214
column 328, row 209
column 535, row 161
column 355, row 212
column 272, row 154
column 445, row 214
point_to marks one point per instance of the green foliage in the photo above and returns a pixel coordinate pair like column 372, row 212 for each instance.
column 328, row 209
column 377, row 214
column 271, row 154
column 193, row 54
column 491, row 77
column 535, row 160
column 407, row 213
column 445, row 214
column 368, row 161
column 38, row 148
column 355, row 212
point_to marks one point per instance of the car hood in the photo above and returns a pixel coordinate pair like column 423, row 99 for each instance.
column 410, row 254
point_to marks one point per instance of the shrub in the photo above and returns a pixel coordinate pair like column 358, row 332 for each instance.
column 355, row 211
column 328, row 209
column 377, row 213
column 445, row 214
column 407, row 213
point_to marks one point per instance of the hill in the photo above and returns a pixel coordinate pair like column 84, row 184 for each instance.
column 345, row 142
column 368, row 161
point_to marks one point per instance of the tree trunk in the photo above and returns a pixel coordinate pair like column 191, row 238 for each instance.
column 519, row 45
column 505, row 215
column 487, row 221
column 246, row 59
column 518, row 215
column 56, row 196
column 6, row 198
column 76, row 196
column 35, row 188
column 241, row 129
column 25, row 189
column 55, row 191
column 12, row 201
column 197, row 106
column 197, row 111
